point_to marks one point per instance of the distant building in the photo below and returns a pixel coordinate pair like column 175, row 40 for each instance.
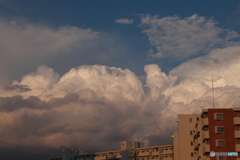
column 153, row 153
column 199, row 137
column 130, row 150
column 216, row 130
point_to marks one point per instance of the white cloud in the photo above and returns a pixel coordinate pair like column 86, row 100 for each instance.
column 109, row 102
column 221, row 63
column 110, row 83
column 124, row 21
column 193, row 88
column 180, row 38
column 104, row 100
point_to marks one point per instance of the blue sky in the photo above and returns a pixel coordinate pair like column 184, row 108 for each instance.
column 100, row 16
column 107, row 64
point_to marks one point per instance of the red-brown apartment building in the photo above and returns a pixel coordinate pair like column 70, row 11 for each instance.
column 216, row 130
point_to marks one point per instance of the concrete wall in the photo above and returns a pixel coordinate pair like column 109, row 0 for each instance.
column 186, row 123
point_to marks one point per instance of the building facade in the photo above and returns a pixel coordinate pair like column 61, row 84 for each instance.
column 130, row 150
column 153, row 153
column 216, row 130
column 199, row 137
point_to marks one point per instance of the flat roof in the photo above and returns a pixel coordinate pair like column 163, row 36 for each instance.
column 164, row 146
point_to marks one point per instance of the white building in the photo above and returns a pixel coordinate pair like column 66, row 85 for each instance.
column 130, row 150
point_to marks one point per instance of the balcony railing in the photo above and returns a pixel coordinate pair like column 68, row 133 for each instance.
column 155, row 153
column 144, row 154
column 167, row 158
column 206, row 148
column 195, row 145
column 237, row 134
column 205, row 135
column 237, row 147
column 195, row 156
column 236, row 120
column 205, row 122
column 100, row 158
column 167, row 151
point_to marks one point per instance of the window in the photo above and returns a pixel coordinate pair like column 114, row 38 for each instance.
column 190, row 132
column 219, row 116
column 190, row 120
column 191, row 143
column 220, row 143
column 219, row 129
column 191, row 154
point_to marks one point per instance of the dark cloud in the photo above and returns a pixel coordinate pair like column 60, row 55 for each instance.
column 94, row 107
column 18, row 88
column 29, row 153
column 71, row 121
column 161, row 139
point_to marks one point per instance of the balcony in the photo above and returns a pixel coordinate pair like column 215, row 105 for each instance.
column 144, row 154
column 100, row 158
column 155, row 153
column 236, row 120
column 168, row 158
column 205, row 135
column 237, row 134
column 206, row 148
column 195, row 155
column 205, row 122
column 167, row 151
column 237, row 147
column 195, row 145
column 196, row 135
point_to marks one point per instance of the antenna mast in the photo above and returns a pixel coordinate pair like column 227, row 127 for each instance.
column 213, row 93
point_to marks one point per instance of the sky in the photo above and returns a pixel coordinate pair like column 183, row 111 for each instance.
column 88, row 74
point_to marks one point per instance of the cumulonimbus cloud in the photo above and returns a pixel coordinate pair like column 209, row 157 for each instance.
column 177, row 37
column 110, row 104
column 46, row 109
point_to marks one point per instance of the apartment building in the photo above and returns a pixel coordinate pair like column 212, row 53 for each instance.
column 216, row 130
column 124, row 153
column 183, row 140
column 153, row 153
column 130, row 150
